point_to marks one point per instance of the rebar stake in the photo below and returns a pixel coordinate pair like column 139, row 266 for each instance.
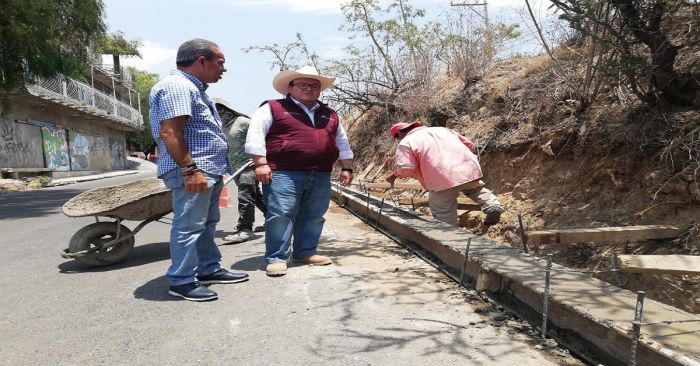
column 546, row 343
column 466, row 259
column 379, row 216
column 337, row 188
column 636, row 327
column 616, row 274
column 367, row 211
column 523, row 240
column 545, row 303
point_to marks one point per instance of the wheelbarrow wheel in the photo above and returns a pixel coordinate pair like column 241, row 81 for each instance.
column 98, row 233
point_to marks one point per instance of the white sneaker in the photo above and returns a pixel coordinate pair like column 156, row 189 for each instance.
column 239, row 236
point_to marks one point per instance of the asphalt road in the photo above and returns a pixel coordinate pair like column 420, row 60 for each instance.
column 376, row 305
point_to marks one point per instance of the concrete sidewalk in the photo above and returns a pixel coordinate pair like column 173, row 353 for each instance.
column 135, row 166
column 589, row 315
column 86, row 178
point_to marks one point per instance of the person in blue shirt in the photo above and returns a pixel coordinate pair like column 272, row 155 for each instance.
column 193, row 158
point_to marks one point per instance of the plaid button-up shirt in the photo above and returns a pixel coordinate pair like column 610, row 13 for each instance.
column 181, row 94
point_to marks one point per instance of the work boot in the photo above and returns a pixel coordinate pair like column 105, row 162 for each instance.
column 239, row 236
column 314, row 260
column 493, row 216
column 276, row 269
column 192, row 292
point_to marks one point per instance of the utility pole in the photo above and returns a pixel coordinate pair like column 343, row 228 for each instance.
column 472, row 4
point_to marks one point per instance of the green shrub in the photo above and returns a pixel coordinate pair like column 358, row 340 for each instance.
column 39, row 182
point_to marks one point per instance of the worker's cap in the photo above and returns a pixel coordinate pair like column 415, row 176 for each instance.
column 402, row 126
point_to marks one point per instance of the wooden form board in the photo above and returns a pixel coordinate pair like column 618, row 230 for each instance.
column 366, row 171
column 462, row 203
column 378, row 172
column 623, row 233
column 668, row 264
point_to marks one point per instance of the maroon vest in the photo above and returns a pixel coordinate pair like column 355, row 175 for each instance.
column 294, row 143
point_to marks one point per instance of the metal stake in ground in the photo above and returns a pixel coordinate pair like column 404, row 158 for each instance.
column 546, row 344
column 367, row 211
column 466, row 259
column 379, row 215
column 636, row 327
column 523, row 239
column 616, row 272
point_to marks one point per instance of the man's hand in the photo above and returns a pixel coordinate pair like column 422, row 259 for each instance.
column 196, row 183
column 345, row 178
column 263, row 174
column 391, row 179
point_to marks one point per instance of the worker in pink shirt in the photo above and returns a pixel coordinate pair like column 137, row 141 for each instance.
column 443, row 163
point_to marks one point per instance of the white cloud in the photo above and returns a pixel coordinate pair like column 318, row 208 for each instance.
column 154, row 58
column 297, row 6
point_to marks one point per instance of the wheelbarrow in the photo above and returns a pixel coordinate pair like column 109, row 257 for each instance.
column 107, row 242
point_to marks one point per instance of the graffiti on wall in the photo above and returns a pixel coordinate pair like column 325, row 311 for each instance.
column 98, row 153
column 9, row 145
column 55, row 148
column 117, row 151
column 79, row 151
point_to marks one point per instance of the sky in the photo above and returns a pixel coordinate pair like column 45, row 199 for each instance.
column 162, row 26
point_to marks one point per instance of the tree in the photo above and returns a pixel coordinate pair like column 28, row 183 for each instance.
column 143, row 82
column 116, row 44
column 638, row 47
column 45, row 38
column 288, row 56
column 397, row 59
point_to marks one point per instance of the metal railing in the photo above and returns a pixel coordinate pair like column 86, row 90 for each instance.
column 123, row 75
column 86, row 98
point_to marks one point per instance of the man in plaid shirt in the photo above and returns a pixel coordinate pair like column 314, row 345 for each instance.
column 193, row 159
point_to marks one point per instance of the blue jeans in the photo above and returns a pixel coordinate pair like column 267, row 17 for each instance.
column 296, row 202
column 192, row 247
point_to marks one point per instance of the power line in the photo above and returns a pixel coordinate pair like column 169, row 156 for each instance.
column 474, row 3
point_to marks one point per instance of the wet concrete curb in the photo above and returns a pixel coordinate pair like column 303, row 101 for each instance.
column 589, row 316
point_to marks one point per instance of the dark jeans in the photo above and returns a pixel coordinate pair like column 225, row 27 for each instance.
column 249, row 197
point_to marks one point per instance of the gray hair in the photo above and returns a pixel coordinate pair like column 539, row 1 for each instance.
column 191, row 50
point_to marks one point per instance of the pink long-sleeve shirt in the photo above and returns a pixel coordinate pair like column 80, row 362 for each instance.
column 438, row 157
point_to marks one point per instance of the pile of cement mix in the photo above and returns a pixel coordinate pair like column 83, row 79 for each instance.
column 107, row 199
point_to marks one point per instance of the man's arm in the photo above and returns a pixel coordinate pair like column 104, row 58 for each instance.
column 255, row 142
column 171, row 134
column 345, row 155
column 345, row 175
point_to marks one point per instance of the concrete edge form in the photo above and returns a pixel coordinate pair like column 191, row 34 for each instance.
column 589, row 316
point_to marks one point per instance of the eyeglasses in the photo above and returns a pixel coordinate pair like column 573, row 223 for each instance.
column 307, row 86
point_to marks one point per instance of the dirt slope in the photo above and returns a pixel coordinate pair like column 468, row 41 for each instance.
column 563, row 165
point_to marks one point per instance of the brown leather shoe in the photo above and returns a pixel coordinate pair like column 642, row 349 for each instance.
column 315, row 260
column 276, row 269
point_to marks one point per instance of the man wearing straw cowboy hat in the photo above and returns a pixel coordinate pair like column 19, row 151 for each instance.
column 294, row 143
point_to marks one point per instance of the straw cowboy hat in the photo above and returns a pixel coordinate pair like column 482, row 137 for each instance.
column 281, row 80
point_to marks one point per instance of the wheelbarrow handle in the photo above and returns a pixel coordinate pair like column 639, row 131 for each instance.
column 237, row 172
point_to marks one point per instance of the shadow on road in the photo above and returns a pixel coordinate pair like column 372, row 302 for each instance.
column 250, row 264
column 155, row 290
column 33, row 204
column 141, row 254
